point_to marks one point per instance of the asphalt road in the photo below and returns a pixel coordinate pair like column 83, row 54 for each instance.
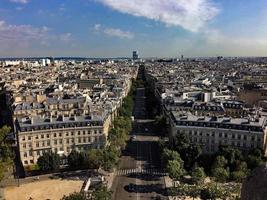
column 139, row 176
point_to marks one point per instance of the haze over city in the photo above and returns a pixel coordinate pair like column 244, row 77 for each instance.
column 112, row 28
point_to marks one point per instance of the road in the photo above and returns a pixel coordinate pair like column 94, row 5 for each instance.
column 139, row 176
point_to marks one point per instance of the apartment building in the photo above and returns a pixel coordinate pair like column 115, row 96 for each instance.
column 61, row 135
column 211, row 132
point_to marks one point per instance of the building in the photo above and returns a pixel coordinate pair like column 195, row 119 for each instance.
column 61, row 135
column 135, row 55
column 211, row 132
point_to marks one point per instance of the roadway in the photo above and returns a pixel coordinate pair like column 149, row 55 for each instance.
column 139, row 176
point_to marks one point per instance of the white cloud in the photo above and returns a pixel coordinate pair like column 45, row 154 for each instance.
column 118, row 33
column 21, row 32
column 97, row 27
column 189, row 14
column 15, row 39
column 114, row 32
column 66, row 37
column 20, row 1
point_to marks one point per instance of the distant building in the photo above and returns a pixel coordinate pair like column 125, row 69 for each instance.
column 135, row 55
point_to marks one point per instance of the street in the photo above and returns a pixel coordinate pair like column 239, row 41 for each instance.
column 139, row 175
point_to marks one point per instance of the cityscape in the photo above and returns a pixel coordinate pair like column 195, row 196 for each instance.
column 165, row 100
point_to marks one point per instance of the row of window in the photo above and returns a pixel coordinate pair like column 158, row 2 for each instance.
column 225, row 142
column 67, row 134
column 219, row 125
column 223, row 135
column 60, row 141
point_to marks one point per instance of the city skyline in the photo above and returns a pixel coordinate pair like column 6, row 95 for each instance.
column 114, row 28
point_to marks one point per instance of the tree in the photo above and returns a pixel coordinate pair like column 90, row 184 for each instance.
column 49, row 161
column 75, row 196
column 238, row 176
column 101, row 193
column 169, row 155
column 6, row 154
column 191, row 154
column 240, row 172
column 212, row 192
column 198, row 175
column 220, row 161
column 110, row 158
column 95, row 158
column 74, row 159
column 232, row 155
column 175, row 169
column 220, row 174
column 180, row 143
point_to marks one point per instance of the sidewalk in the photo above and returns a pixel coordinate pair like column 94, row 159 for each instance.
column 109, row 177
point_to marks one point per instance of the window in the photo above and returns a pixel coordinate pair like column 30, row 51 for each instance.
column 29, row 137
column 55, row 134
column 48, row 142
column 42, row 136
column 83, row 132
column 79, row 140
column 31, row 161
column 72, row 133
column 60, row 134
column 37, row 144
column 47, row 135
column 23, row 138
column 220, row 134
column 24, row 145
column 43, row 144
column 84, row 140
column 26, row 162
column 67, row 134
column 60, row 141
column 55, row 142
column 25, row 154
column 36, row 137
column 79, row 132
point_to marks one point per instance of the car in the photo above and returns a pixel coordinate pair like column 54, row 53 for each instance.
column 133, row 137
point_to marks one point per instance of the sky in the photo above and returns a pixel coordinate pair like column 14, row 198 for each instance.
column 114, row 28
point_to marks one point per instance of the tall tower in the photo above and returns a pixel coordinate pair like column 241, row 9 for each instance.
column 135, row 55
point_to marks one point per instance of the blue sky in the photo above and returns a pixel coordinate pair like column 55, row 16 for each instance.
column 111, row 28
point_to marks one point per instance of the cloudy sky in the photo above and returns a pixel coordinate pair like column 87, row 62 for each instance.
column 111, row 28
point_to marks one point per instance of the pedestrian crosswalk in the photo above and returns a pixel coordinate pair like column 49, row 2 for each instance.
column 154, row 172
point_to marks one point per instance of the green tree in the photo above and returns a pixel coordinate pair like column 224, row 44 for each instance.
column 49, row 161
column 169, row 155
column 180, row 143
column 74, row 159
column 220, row 174
column 95, row 158
column 191, row 155
column 74, row 196
column 175, row 169
column 212, row 192
column 110, row 158
column 220, row 161
column 232, row 155
column 198, row 175
column 101, row 193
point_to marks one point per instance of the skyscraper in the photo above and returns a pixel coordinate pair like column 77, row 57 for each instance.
column 135, row 55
